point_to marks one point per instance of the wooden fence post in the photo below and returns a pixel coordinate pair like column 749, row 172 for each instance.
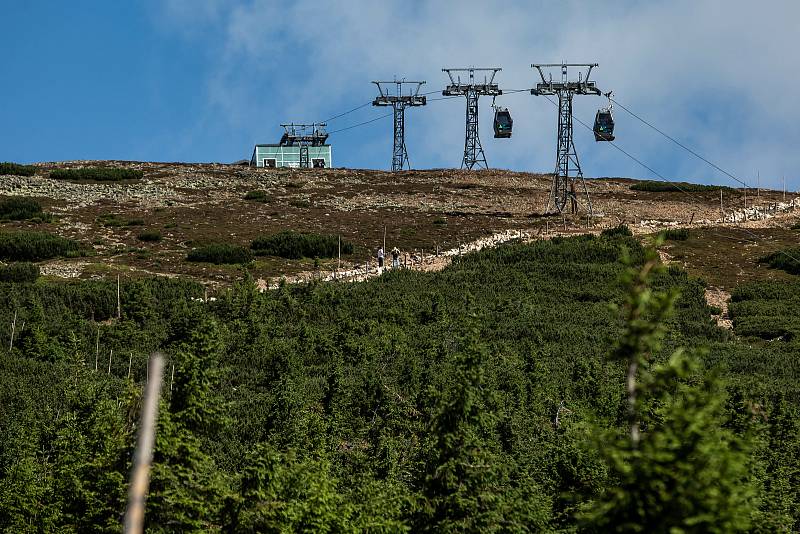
column 13, row 330
column 745, row 203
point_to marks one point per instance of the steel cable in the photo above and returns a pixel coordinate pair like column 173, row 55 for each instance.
column 717, row 167
column 662, row 178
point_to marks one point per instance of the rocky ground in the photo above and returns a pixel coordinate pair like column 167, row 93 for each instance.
column 420, row 212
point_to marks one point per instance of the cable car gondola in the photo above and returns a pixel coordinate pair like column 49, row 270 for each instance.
column 604, row 123
column 503, row 123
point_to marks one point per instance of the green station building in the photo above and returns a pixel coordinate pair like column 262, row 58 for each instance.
column 297, row 149
column 277, row 155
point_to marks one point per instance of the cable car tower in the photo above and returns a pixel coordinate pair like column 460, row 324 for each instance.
column 399, row 102
column 473, row 151
column 568, row 168
column 303, row 135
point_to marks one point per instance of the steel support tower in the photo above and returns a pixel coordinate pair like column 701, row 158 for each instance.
column 399, row 102
column 473, row 151
column 568, row 167
column 304, row 135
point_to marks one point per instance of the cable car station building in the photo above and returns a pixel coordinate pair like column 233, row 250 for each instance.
column 296, row 149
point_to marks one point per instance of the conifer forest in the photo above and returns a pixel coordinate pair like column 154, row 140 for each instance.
column 493, row 396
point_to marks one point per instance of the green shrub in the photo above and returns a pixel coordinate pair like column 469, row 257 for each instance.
column 440, row 221
column 19, row 272
column 220, row 253
column 36, row 246
column 153, row 236
column 677, row 234
column 20, row 209
column 15, row 169
column 796, row 226
column 786, row 259
column 766, row 309
column 300, row 203
column 296, row 245
column 671, row 187
column 97, row 174
column 621, row 230
column 257, row 195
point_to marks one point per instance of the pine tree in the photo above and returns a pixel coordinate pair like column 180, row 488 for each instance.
column 463, row 481
column 186, row 489
column 682, row 471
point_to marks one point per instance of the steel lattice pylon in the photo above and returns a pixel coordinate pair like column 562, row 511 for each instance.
column 568, row 167
column 399, row 102
column 473, row 151
column 563, row 187
column 399, row 152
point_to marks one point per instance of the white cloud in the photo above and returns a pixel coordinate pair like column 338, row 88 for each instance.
column 717, row 74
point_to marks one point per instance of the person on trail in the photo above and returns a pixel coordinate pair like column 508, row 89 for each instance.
column 395, row 258
column 380, row 257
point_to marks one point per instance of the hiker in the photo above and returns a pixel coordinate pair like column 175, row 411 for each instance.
column 380, row 258
column 395, row 258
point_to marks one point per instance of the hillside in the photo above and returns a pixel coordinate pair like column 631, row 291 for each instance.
column 426, row 210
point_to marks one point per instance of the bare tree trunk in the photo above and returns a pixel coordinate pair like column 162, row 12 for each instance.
column 631, row 387
column 13, row 330
column 143, row 456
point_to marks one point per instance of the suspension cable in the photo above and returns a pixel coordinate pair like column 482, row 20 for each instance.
column 347, row 112
column 362, row 106
column 361, row 123
column 662, row 178
column 695, row 154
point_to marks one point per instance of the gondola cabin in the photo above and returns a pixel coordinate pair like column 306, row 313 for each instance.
column 603, row 125
column 503, row 123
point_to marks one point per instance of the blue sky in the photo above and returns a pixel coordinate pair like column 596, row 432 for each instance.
column 203, row 80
